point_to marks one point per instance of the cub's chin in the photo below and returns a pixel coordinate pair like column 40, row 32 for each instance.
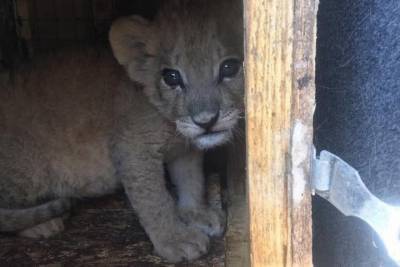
column 212, row 139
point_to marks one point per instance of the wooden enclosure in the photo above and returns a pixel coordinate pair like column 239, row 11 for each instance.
column 269, row 200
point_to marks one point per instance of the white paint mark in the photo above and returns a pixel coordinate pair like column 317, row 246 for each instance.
column 300, row 64
column 300, row 153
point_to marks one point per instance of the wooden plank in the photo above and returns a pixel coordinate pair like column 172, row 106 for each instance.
column 23, row 11
column 279, row 78
column 304, row 40
column 101, row 232
column 237, row 235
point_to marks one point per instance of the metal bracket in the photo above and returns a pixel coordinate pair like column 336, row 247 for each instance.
column 341, row 185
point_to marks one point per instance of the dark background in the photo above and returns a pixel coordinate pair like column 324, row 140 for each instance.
column 33, row 26
column 358, row 118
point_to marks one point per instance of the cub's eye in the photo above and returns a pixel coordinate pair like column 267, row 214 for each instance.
column 172, row 77
column 229, row 68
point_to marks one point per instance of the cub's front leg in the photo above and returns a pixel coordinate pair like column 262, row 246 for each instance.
column 187, row 175
column 142, row 177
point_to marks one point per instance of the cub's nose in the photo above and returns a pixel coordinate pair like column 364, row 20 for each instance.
column 205, row 119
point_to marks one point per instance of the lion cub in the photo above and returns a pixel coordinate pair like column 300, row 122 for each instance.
column 73, row 125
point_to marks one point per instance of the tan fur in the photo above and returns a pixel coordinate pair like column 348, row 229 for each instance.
column 74, row 125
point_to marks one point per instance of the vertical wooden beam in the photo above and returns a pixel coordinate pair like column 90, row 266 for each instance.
column 23, row 11
column 279, row 72
column 237, row 235
column 303, row 101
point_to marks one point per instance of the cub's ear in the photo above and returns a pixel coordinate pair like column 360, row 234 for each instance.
column 132, row 40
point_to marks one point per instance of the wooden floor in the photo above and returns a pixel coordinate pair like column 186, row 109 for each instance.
column 102, row 232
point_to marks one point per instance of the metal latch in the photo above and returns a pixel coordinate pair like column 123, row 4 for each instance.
column 341, row 185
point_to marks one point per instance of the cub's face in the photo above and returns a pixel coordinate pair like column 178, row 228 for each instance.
column 189, row 61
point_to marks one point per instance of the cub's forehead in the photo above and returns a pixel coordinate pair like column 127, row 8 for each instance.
column 193, row 48
column 195, row 33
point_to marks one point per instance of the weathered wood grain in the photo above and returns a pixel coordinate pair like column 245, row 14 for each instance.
column 303, row 101
column 102, row 232
column 237, row 235
column 279, row 77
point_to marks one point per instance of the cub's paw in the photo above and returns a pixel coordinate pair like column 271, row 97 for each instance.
column 44, row 230
column 209, row 220
column 180, row 243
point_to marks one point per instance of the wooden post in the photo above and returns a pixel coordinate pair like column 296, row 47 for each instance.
column 279, row 74
column 237, row 235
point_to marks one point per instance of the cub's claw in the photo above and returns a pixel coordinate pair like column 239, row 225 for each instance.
column 181, row 243
column 209, row 220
